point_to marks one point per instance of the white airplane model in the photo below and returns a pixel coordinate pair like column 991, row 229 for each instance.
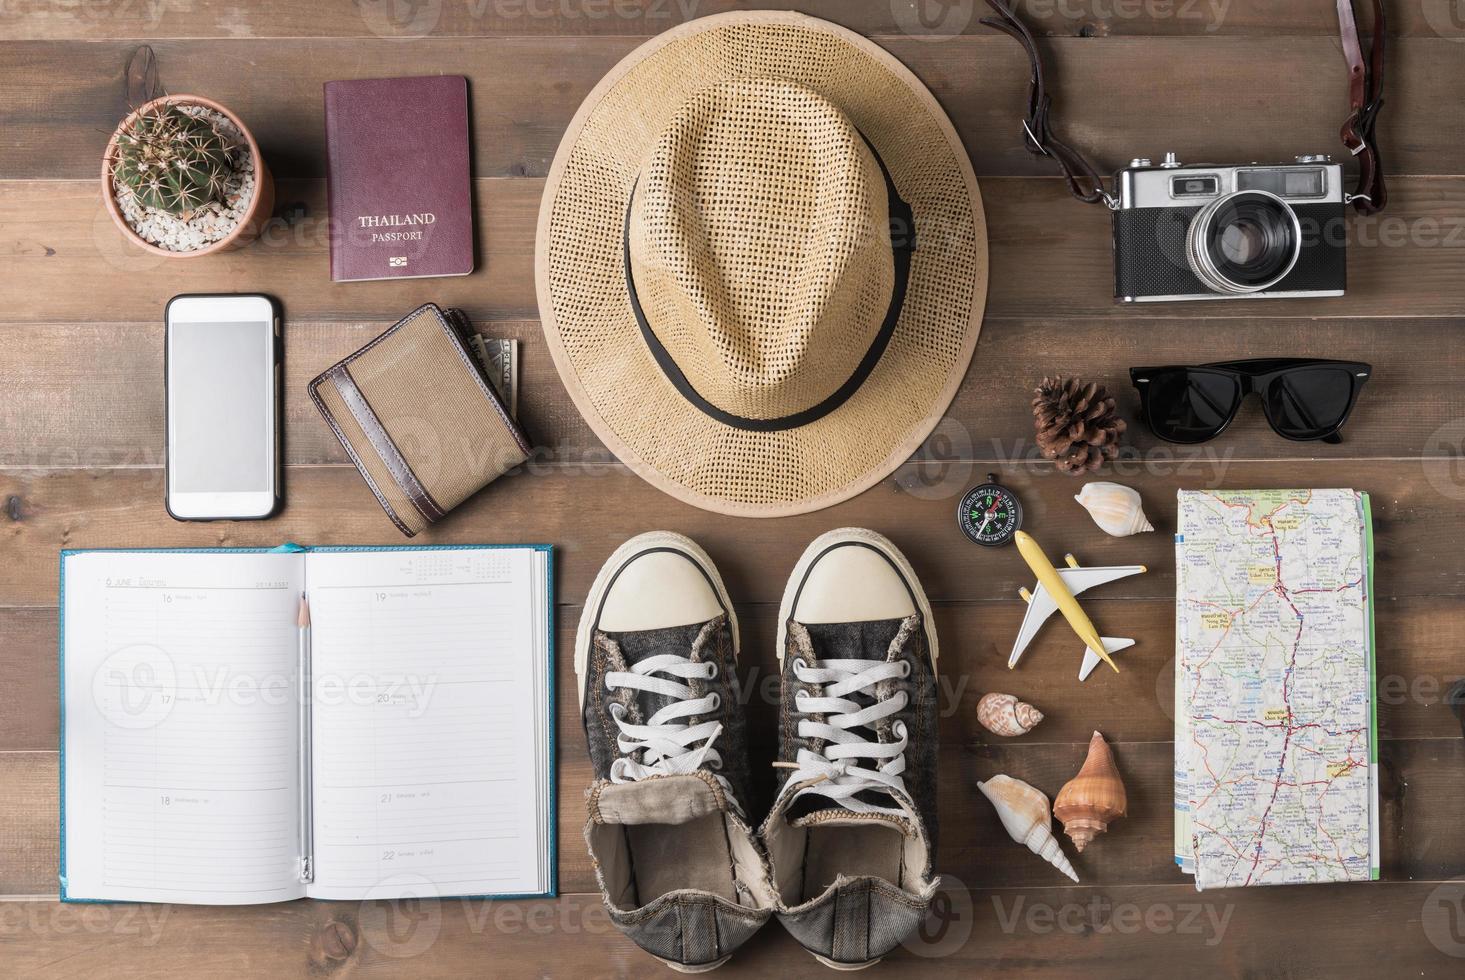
column 1041, row 605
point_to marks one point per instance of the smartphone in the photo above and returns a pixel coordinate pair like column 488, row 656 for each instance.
column 221, row 366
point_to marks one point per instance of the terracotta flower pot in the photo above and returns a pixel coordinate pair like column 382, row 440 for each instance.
column 260, row 207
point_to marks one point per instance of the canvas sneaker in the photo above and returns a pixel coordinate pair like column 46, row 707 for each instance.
column 853, row 826
column 655, row 657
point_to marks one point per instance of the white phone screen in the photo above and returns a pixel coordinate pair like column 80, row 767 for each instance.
column 220, row 406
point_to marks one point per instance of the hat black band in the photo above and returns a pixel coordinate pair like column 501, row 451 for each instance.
column 903, row 243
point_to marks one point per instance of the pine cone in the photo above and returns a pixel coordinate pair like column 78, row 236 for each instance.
column 1076, row 423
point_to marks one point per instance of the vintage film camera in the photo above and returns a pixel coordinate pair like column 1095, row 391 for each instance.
column 1186, row 232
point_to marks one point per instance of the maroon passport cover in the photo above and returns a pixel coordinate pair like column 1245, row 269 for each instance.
column 397, row 166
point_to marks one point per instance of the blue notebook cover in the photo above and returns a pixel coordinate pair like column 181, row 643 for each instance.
column 291, row 548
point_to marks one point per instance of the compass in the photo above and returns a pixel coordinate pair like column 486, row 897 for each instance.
column 990, row 514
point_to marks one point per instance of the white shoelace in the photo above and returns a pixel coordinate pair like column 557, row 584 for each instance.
column 663, row 745
column 836, row 771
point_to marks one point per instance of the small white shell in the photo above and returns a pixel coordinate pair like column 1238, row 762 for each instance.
column 1115, row 508
column 1025, row 814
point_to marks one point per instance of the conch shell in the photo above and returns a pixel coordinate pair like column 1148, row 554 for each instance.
column 1089, row 801
column 1115, row 508
column 1003, row 714
column 1024, row 812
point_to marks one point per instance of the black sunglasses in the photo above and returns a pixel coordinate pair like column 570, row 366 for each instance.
column 1304, row 399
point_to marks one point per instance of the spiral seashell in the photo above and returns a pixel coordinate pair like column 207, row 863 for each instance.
column 1088, row 802
column 1115, row 508
column 1024, row 813
column 1004, row 714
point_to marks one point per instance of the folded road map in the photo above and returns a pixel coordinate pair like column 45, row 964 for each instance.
column 1276, row 754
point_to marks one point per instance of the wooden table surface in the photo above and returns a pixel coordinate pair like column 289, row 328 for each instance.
column 81, row 440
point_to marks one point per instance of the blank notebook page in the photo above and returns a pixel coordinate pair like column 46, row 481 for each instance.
column 429, row 749
column 180, row 725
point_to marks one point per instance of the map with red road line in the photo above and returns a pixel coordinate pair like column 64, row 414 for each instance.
column 1275, row 743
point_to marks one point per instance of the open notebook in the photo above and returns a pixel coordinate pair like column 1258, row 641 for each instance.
column 195, row 770
column 1276, row 736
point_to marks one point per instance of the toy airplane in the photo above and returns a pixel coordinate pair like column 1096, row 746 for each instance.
column 1055, row 592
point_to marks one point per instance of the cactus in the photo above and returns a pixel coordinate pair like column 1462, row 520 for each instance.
column 173, row 161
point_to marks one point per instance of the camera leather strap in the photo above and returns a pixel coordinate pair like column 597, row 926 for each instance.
column 1083, row 180
column 1366, row 97
column 1365, row 93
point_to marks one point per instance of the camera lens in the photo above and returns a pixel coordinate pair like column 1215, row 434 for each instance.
column 1244, row 242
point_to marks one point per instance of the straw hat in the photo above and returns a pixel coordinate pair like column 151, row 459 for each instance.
column 727, row 275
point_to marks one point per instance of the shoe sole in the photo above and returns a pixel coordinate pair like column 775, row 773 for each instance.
column 699, row 968
column 846, row 967
column 649, row 541
column 869, row 539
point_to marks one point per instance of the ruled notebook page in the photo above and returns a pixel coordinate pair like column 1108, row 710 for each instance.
column 180, row 780
column 428, row 748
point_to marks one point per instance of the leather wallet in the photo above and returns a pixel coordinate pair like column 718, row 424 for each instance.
column 418, row 418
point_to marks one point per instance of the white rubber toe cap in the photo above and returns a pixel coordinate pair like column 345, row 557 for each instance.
column 657, row 590
column 852, row 583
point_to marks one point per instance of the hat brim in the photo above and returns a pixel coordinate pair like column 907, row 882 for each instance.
column 591, row 328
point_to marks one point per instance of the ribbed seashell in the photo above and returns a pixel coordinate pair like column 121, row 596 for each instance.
column 1024, row 812
column 1088, row 802
column 1115, row 508
column 1004, row 714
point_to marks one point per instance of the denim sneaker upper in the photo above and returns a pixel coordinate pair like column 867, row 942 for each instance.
column 853, row 826
column 674, row 855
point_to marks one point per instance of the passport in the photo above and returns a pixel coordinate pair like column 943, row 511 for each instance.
column 399, row 180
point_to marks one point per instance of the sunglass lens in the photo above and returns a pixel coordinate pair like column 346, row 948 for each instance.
column 1309, row 403
column 1191, row 404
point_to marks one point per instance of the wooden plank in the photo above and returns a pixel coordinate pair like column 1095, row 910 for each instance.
column 1417, row 640
column 1118, row 97
column 1050, row 257
column 28, row 823
column 1419, row 793
column 587, row 511
column 49, row 20
column 28, row 660
column 1164, row 931
column 90, row 394
column 77, row 398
